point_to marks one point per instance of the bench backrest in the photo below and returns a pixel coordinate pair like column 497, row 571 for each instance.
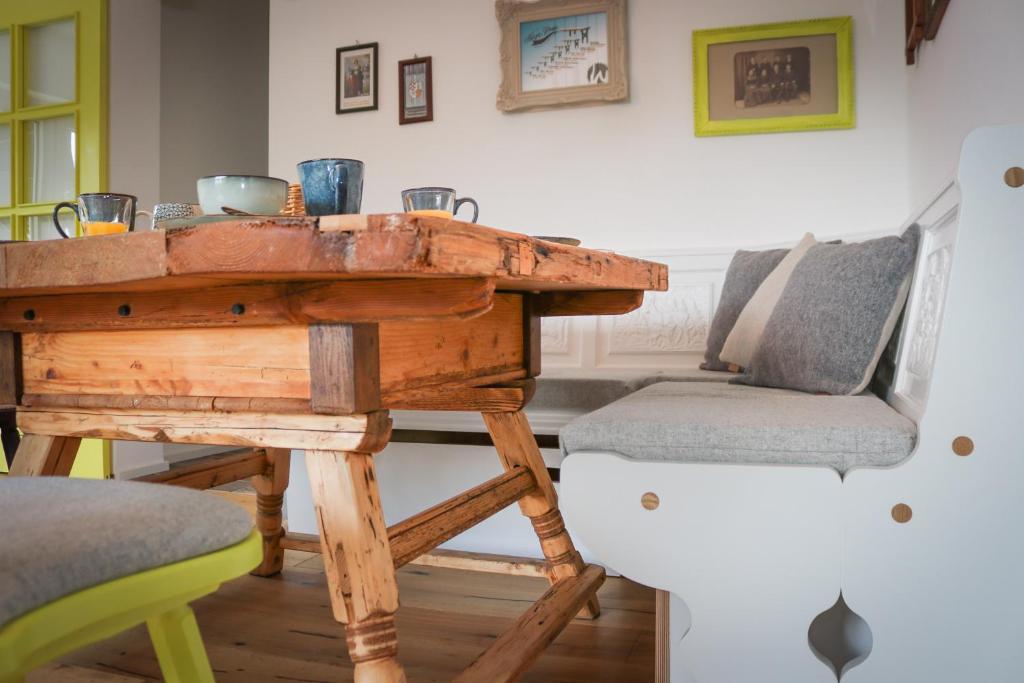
column 958, row 352
column 904, row 372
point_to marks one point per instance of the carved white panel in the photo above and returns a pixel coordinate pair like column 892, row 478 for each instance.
column 919, row 340
column 921, row 355
column 676, row 321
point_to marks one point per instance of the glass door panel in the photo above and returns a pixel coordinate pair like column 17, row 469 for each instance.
column 50, row 63
column 50, row 160
column 41, row 227
column 5, row 70
column 5, row 228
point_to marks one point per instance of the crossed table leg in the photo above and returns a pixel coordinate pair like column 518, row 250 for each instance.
column 360, row 552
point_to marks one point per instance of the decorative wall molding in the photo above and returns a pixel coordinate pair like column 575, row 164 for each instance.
column 669, row 322
column 668, row 331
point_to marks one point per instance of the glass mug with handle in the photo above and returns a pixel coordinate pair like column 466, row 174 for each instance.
column 436, row 201
column 101, row 213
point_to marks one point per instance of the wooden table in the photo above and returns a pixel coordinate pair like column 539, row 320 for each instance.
column 301, row 333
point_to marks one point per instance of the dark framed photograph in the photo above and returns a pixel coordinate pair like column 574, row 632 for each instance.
column 772, row 78
column 415, row 90
column 356, row 78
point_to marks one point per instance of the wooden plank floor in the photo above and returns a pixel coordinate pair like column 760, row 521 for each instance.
column 281, row 630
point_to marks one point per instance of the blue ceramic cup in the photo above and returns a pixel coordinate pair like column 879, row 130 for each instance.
column 331, row 186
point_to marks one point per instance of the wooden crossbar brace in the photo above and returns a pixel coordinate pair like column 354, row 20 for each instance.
column 414, row 537
column 517, row 648
column 432, row 527
column 447, row 559
column 213, row 470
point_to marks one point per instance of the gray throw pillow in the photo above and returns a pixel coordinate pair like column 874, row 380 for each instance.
column 826, row 332
column 746, row 272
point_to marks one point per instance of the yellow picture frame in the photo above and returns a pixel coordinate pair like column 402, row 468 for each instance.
column 843, row 117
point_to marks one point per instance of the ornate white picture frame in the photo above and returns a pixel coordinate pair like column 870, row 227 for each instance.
column 561, row 52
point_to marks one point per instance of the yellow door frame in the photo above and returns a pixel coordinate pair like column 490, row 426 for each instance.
column 90, row 111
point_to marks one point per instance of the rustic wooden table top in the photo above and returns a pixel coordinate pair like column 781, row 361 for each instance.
column 378, row 246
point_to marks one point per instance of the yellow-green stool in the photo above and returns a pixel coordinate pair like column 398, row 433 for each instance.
column 82, row 560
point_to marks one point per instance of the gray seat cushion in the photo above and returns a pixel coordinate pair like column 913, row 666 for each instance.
column 566, row 392
column 714, row 422
column 63, row 535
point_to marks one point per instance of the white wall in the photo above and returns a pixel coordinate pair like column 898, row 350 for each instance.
column 620, row 176
column 969, row 76
column 134, row 141
column 213, row 89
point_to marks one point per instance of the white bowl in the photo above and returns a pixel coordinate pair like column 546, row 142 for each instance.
column 255, row 194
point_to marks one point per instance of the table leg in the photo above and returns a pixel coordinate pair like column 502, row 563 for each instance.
column 45, row 456
column 357, row 560
column 9, row 434
column 517, row 447
column 270, row 487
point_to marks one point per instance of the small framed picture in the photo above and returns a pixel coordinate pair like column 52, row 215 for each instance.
column 774, row 78
column 415, row 91
column 561, row 52
column 356, row 76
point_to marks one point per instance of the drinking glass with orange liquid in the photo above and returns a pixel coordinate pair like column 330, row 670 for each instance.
column 439, row 202
column 101, row 213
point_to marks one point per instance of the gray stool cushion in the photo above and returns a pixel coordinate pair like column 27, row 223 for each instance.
column 62, row 535
column 714, row 422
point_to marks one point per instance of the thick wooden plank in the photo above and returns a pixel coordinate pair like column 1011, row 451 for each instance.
column 390, row 245
column 357, row 560
column 109, row 259
column 516, row 649
column 432, row 527
column 10, row 369
column 251, row 305
column 603, row 302
column 251, row 362
column 513, row 396
column 344, row 368
column 268, row 362
column 212, row 470
column 225, row 404
column 419, row 354
column 247, row 248
column 365, row 432
column 41, row 455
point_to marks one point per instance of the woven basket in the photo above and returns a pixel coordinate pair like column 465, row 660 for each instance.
column 295, row 206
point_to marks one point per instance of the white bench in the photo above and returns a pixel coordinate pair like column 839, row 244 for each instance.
column 924, row 544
